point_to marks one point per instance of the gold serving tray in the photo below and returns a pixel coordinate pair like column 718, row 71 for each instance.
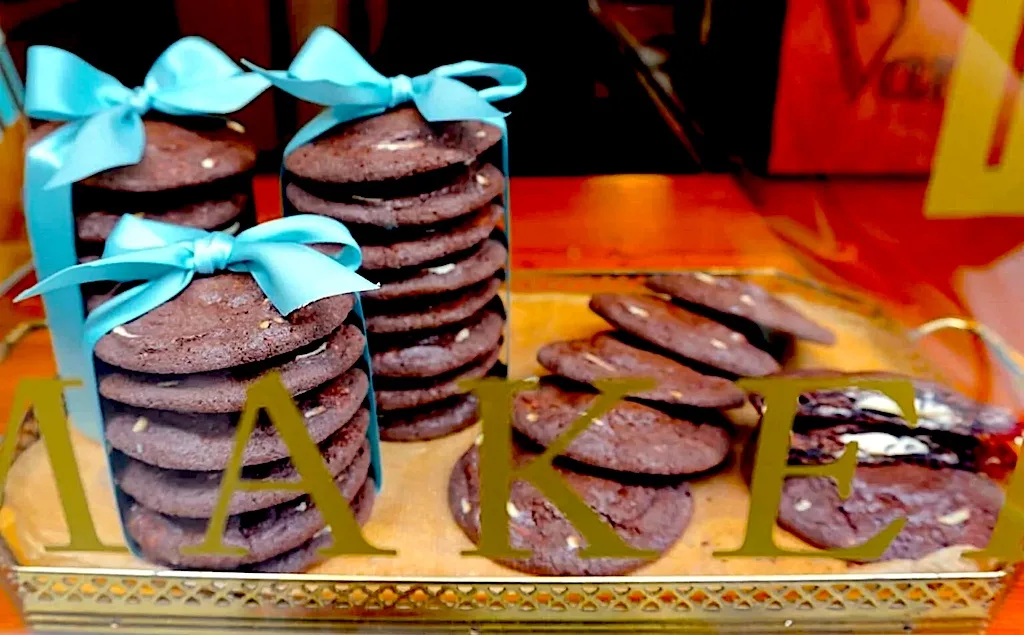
column 430, row 587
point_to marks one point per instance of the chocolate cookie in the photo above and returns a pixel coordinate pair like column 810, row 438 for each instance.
column 174, row 157
column 402, row 394
column 432, row 312
column 217, row 322
column 430, row 422
column 471, row 190
column 179, row 441
column 434, row 244
column 265, row 533
column 431, row 353
column 195, row 494
column 629, row 438
column 648, row 518
column 481, row 264
column 604, row 357
column 881, row 444
column 683, row 333
column 741, row 299
column 305, row 556
column 95, row 226
column 943, row 508
column 225, row 391
column 390, row 146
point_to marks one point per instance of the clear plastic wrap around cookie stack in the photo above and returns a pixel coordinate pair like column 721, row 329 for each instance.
column 422, row 203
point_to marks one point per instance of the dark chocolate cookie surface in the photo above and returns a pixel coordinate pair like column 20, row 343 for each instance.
column 647, row 518
column 430, row 422
column 683, row 333
column 225, row 391
column 431, row 353
column 742, row 299
column 628, row 438
column 95, row 226
column 943, row 508
column 479, row 265
column 469, row 191
column 432, row 245
column 400, row 394
column 390, row 146
column 204, row 442
column 217, row 322
column 432, row 313
column 605, row 357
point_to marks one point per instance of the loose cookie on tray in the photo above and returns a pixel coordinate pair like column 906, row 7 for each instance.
column 683, row 333
column 648, row 518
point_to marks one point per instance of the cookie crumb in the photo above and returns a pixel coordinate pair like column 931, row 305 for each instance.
column 312, row 353
column 366, row 199
column 231, row 231
column 208, row 163
column 878, row 403
column 401, row 145
column 746, row 299
column 140, row 424
column 466, row 507
column 676, row 394
column 573, row 543
column 597, row 422
column 279, row 320
column 511, row 509
column 120, row 330
column 958, row 517
column 482, row 180
column 719, row 344
column 737, row 337
column 319, row 410
column 533, row 380
column 265, row 324
column 442, row 269
column 802, row 505
column 705, row 278
column 479, row 440
column 302, row 506
column 594, row 359
column 532, row 416
column 462, row 335
column 168, row 384
column 480, row 134
column 138, row 448
column 237, row 127
column 635, row 310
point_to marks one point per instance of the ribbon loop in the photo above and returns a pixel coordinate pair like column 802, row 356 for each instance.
column 212, row 253
column 401, row 90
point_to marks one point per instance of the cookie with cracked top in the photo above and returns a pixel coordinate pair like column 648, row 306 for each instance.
column 738, row 298
column 647, row 518
column 431, row 312
column 605, row 357
column 401, row 394
column 464, row 270
column 204, row 442
column 432, row 244
column 429, row 422
column 217, row 322
column 301, row 370
column 628, row 438
column 943, row 508
column 684, row 333
column 394, row 145
column 469, row 191
column 435, row 352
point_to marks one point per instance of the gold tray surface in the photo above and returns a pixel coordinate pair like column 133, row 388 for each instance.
column 430, row 583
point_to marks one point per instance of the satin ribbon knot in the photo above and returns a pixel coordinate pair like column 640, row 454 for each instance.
column 401, row 90
column 212, row 253
column 141, row 100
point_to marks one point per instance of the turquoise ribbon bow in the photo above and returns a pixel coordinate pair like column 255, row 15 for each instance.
column 167, row 257
column 104, row 130
column 12, row 92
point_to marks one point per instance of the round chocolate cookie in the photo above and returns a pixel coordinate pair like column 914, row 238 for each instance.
column 225, row 391
column 390, row 146
column 196, row 494
column 628, row 438
column 305, row 556
column 431, row 353
column 402, row 394
column 217, row 322
column 451, row 309
column 604, row 357
column 95, row 226
column 742, row 299
column 433, row 245
column 264, row 534
column 943, row 508
column 179, row 441
column 480, row 265
column 174, row 157
column 683, row 333
column 430, row 422
column 648, row 518
column 470, row 191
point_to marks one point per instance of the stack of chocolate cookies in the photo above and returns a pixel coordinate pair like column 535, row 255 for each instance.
column 420, row 201
column 633, row 462
column 930, row 474
column 173, row 384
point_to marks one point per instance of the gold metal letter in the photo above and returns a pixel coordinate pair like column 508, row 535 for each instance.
column 269, row 394
column 497, row 473
column 1005, row 543
column 771, row 467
